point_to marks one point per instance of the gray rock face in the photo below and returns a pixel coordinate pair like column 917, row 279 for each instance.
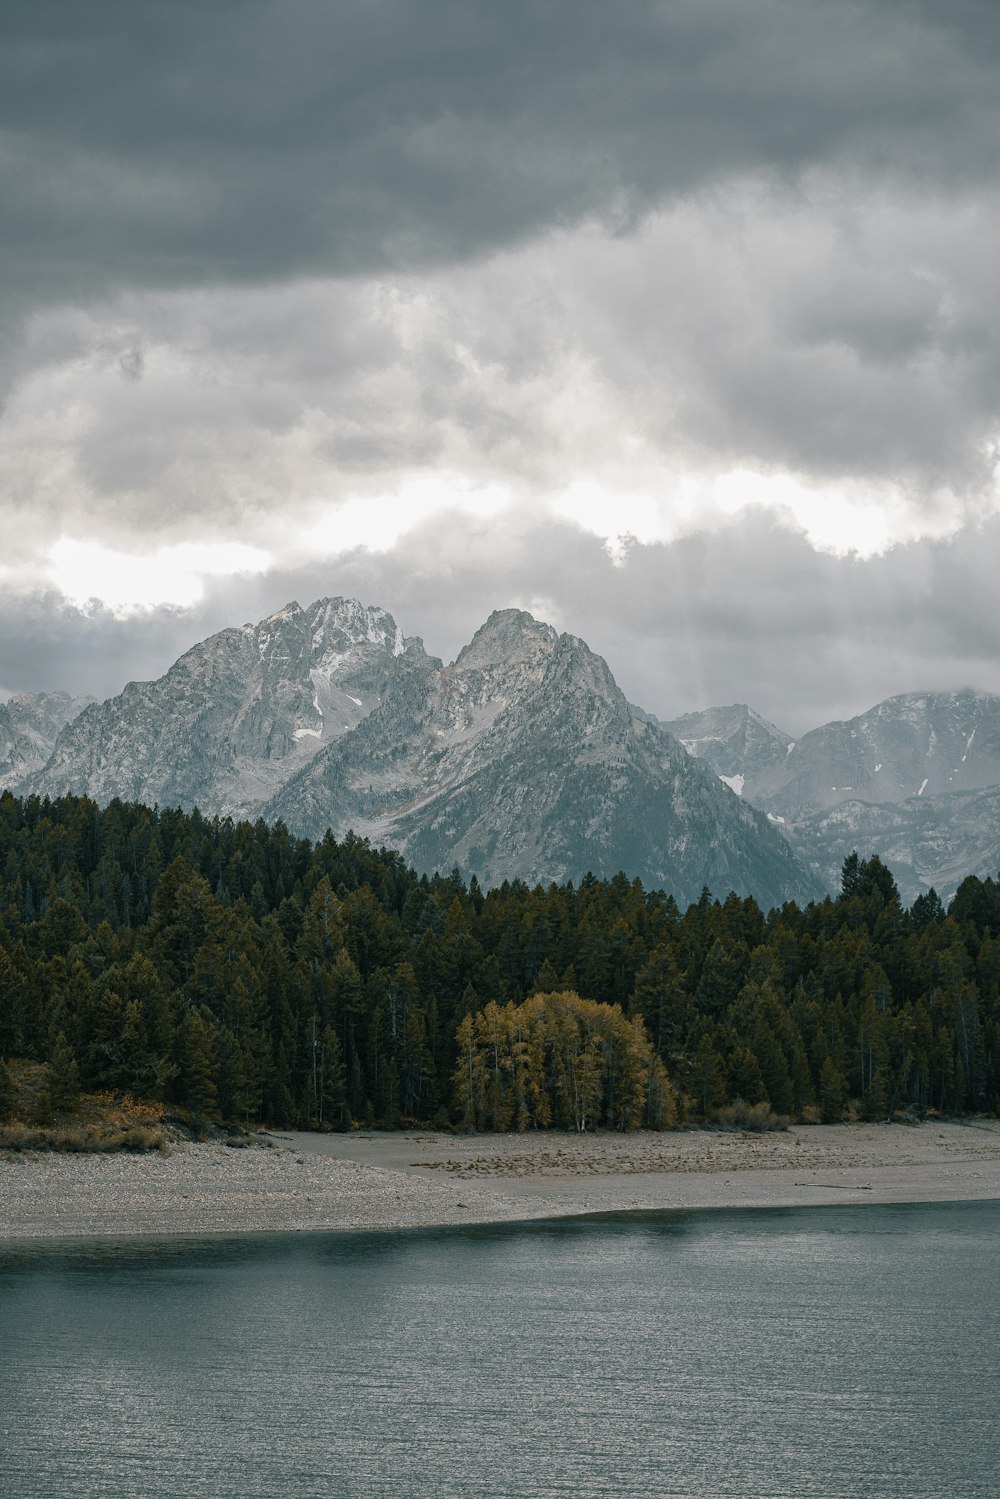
column 905, row 781
column 29, row 727
column 926, row 841
column 235, row 716
column 739, row 745
column 916, row 780
column 918, row 744
column 524, row 759
column 521, row 759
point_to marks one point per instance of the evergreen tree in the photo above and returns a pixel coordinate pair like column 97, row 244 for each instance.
column 8, row 1096
column 832, row 1092
column 64, row 1076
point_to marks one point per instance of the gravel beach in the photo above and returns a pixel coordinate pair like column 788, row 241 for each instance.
column 299, row 1182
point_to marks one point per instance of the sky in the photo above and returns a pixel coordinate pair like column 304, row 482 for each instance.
column 675, row 322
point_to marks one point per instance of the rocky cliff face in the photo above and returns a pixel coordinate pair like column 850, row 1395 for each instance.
column 29, row 727
column 926, row 841
column 234, row 717
column 919, row 744
column 522, row 759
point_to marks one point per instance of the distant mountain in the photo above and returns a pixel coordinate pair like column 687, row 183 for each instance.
column 737, row 743
column 916, row 780
column 926, row 841
column 522, row 759
column 29, row 727
column 914, row 745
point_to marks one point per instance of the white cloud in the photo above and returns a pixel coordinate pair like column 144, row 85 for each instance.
column 87, row 571
column 379, row 522
column 828, row 356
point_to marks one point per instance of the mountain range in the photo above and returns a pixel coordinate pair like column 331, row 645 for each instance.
column 520, row 759
column 523, row 759
column 915, row 780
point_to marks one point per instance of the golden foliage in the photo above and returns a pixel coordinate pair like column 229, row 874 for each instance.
column 557, row 1059
column 98, row 1122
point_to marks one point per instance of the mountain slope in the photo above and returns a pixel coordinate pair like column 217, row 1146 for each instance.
column 30, row 724
column 926, row 841
column 913, row 745
column 915, row 779
column 236, row 715
column 524, row 759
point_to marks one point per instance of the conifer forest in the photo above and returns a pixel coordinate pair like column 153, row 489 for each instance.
column 243, row 975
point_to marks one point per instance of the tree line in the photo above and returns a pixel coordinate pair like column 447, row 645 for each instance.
column 240, row 973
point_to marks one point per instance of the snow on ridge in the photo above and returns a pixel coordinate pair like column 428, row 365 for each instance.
column 735, row 783
column 363, row 624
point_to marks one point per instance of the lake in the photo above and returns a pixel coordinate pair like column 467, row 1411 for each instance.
column 830, row 1351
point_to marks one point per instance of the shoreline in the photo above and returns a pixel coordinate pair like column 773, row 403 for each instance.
column 291, row 1182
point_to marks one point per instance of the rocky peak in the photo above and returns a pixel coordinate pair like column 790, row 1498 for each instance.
column 511, row 639
column 737, row 742
column 337, row 624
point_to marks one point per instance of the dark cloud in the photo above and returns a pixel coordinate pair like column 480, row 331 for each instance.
column 282, row 259
column 839, row 334
column 751, row 614
column 187, row 144
column 47, row 645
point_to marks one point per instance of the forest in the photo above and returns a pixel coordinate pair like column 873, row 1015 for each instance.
column 237, row 973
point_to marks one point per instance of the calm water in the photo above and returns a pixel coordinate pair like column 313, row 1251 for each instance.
column 825, row 1352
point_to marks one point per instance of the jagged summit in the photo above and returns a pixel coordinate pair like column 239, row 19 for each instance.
column 738, row 743
column 342, row 622
column 509, row 638
column 238, row 713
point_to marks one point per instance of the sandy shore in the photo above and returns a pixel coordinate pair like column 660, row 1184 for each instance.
column 296, row 1182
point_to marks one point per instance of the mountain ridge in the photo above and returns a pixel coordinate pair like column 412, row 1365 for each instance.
column 520, row 759
column 523, row 759
column 897, row 780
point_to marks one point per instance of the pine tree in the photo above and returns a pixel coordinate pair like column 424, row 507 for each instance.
column 198, row 1064
column 333, row 1107
column 8, row 1096
column 64, row 1076
column 832, row 1092
column 707, row 1077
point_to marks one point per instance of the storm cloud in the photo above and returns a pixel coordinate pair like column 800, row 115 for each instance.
column 677, row 323
column 192, row 145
